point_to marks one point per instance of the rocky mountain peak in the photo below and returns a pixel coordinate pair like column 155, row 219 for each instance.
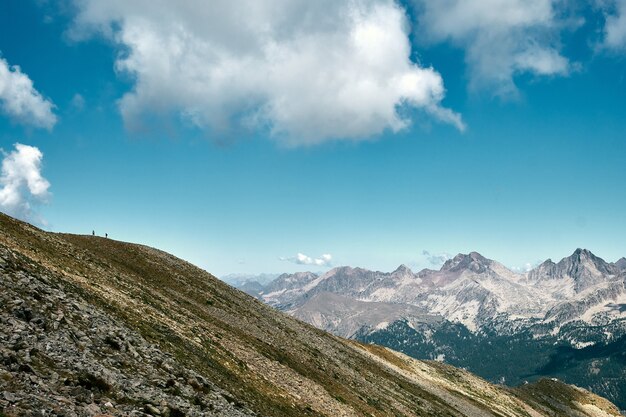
column 582, row 266
column 345, row 269
column 582, row 254
column 621, row 264
column 402, row 269
column 473, row 261
column 582, row 260
column 296, row 276
column 290, row 281
column 546, row 269
column 340, row 271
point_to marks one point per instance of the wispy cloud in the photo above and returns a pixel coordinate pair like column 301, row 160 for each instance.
column 302, row 259
column 615, row 27
column 22, row 185
column 21, row 102
column 436, row 259
column 78, row 102
column 306, row 71
column 501, row 38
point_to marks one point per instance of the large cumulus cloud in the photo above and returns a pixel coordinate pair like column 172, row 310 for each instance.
column 306, row 71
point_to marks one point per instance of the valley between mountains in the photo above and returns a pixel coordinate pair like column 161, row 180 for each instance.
column 564, row 319
column 92, row 326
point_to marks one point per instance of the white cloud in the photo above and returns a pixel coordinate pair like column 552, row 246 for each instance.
column 526, row 267
column 501, row 38
column 307, row 71
column 22, row 185
column 21, row 101
column 302, row 259
column 615, row 27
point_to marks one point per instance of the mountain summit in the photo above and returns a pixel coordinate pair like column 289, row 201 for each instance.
column 582, row 261
column 403, row 269
column 473, row 261
column 582, row 266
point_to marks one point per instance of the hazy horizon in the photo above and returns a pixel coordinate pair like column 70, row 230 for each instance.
column 434, row 264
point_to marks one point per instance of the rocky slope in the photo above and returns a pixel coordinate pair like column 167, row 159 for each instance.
column 91, row 326
column 61, row 354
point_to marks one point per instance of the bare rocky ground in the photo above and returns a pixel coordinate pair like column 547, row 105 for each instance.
column 62, row 356
column 92, row 326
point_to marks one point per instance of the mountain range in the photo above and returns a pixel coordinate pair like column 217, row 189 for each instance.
column 565, row 319
column 91, row 326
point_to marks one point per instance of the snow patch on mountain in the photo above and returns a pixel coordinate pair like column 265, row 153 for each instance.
column 382, row 325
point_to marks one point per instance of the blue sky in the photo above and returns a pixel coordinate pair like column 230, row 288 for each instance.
column 522, row 156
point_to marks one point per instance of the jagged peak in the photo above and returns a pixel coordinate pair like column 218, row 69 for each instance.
column 547, row 267
column 581, row 255
column 298, row 274
column 290, row 280
column 338, row 270
column 341, row 268
column 585, row 268
column 575, row 258
column 621, row 263
column 580, row 252
column 402, row 269
column 473, row 261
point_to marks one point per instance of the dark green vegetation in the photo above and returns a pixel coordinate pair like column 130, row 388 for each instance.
column 215, row 338
column 513, row 359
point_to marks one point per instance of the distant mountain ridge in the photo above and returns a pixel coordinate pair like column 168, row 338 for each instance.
column 241, row 279
column 577, row 302
column 469, row 288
